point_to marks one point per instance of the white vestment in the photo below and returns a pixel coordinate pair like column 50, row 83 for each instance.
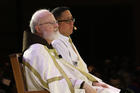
column 45, row 70
column 68, row 51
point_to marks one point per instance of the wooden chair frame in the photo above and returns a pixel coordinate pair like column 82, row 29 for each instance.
column 18, row 75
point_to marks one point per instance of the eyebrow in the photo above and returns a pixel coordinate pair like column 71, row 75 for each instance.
column 66, row 18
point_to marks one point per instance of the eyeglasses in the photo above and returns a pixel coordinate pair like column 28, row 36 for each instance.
column 51, row 23
column 67, row 21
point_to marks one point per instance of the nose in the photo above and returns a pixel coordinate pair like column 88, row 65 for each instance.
column 56, row 25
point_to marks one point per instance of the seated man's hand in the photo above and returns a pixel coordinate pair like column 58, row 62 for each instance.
column 88, row 88
column 99, row 84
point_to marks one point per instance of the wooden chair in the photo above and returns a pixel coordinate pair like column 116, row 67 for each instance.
column 17, row 71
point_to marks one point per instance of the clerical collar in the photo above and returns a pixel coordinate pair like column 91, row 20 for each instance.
column 30, row 39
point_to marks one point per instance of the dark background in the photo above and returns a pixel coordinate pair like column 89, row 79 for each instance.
column 105, row 27
column 107, row 30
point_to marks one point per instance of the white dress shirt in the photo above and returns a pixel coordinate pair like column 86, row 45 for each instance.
column 65, row 49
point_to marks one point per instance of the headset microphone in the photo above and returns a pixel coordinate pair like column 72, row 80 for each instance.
column 75, row 28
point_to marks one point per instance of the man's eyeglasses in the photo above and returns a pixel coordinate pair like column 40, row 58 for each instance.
column 67, row 21
column 51, row 23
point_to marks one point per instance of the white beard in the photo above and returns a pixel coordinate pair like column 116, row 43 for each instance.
column 52, row 36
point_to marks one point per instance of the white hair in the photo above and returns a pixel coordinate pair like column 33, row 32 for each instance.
column 36, row 17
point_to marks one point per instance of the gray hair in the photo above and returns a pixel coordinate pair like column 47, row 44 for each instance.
column 36, row 17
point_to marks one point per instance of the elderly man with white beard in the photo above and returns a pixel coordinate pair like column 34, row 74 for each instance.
column 45, row 69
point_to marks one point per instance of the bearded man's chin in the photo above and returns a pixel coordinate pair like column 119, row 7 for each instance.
column 52, row 37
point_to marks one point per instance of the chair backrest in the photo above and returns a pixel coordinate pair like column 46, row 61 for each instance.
column 18, row 75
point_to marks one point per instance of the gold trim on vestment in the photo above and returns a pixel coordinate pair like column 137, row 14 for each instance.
column 61, row 71
column 45, row 84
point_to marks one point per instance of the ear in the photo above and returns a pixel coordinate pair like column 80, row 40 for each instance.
column 37, row 29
